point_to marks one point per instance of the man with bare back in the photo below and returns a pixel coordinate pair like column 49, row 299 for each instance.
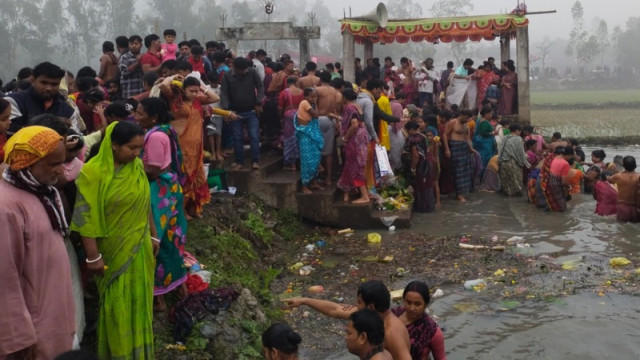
column 627, row 182
column 329, row 102
column 310, row 80
column 374, row 295
column 408, row 86
column 459, row 149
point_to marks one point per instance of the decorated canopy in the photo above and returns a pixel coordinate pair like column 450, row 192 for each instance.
column 460, row 29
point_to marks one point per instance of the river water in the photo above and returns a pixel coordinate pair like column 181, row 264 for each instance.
column 583, row 326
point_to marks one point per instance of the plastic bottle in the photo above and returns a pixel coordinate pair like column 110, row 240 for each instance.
column 477, row 284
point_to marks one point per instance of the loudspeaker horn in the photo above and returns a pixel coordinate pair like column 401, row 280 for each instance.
column 379, row 15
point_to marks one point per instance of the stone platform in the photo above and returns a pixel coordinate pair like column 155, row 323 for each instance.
column 280, row 189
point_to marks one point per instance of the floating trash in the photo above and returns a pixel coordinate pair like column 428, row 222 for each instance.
column 388, row 220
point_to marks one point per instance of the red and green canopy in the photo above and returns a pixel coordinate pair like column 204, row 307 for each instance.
column 460, row 29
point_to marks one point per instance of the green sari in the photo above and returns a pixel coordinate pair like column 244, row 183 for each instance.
column 112, row 207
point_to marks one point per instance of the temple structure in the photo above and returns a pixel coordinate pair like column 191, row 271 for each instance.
column 505, row 27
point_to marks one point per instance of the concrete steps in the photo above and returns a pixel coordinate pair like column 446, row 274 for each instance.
column 280, row 189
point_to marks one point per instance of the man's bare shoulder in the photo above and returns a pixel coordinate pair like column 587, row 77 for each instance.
column 385, row 355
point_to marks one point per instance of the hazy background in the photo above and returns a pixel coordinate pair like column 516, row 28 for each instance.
column 70, row 32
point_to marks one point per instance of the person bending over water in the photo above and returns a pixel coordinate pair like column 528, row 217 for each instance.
column 374, row 295
column 606, row 195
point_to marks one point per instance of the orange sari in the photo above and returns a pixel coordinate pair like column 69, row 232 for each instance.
column 196, row 189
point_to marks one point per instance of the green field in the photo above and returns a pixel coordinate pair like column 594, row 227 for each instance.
column 581, row 123
column 585, row 97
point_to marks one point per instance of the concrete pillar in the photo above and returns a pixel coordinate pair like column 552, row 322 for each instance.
column 233, row 46
column 305, row 53
column 522, row 53
column 505, row 47
column 368, row 50
column 349, row 56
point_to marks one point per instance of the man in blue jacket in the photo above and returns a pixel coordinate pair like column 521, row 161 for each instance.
column 41, row 98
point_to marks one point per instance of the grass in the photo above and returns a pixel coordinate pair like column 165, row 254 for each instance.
column 585, row 97
column 580, row 123
column 233, row 249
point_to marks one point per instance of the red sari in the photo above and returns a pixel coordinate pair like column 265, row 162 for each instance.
column 485, row 79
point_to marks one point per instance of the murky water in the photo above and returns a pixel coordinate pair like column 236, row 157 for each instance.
column 584, row 326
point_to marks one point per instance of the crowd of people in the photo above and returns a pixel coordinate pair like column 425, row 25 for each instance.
column 114, row 160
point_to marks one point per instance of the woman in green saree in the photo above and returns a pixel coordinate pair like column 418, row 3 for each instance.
column 112, row 214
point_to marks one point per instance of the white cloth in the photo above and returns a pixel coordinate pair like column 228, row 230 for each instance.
column 459, row 89
column 259, row 68
column 425, row 79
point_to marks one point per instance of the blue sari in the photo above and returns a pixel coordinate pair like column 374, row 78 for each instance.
column 310, row 142
column 484, row 143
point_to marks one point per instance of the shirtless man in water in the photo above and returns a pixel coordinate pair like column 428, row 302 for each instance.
column 373, row 295
column 311, row 80
column 329, row 102
column 458, row 148
column 365, row 336
column 627, row 182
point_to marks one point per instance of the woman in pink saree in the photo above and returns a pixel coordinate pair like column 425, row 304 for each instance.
column 356, row 139
column 508, row 85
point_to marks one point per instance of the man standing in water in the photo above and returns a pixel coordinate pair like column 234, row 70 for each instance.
column 36, row 307
column 458, row 148
column 372, row 295
column 627, row 182
column 365, row 335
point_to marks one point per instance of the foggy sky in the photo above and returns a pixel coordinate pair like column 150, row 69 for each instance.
column 614, row 12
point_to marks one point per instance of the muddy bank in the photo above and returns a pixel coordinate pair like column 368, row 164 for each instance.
column 252, row 249
column 239, row 241
column 512, row 276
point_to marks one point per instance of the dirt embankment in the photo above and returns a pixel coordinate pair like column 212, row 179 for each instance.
column 512, row 275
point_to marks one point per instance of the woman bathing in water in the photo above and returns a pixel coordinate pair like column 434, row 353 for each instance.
column 426, row 336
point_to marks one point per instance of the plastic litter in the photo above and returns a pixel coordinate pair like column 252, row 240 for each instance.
column 515, row 240
column 310, row 247
column 195, row 268
column 306, row 270
column 438, row 293
column 392, row 228
column 205, row 275
column 475, row 285
column 388, row 220
column 374, row 238
column 619, row 261
column 321, row 243
column 296, row 266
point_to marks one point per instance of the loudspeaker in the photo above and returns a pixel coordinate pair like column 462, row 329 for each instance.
column 379, row 15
